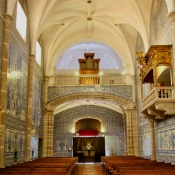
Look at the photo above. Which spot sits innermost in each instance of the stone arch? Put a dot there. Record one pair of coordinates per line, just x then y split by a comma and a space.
113, 126
90, 95
90, 117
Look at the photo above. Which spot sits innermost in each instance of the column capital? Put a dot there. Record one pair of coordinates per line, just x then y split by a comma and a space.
151, 120
171, 16
45, 111
51, 112
8, 18
31, 57
46, 78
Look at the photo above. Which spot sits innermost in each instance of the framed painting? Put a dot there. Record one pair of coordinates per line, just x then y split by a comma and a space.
62, 145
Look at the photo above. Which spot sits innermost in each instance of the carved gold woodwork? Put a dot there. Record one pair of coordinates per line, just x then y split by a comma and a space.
157, 55
160, 101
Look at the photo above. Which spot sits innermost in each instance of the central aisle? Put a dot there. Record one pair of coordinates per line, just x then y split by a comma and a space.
92, 169
89, 170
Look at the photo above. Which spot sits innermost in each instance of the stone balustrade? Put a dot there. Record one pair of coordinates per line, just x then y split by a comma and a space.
164, 94
117, 79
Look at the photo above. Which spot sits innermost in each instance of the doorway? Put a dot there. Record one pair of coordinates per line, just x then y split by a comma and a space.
89, 149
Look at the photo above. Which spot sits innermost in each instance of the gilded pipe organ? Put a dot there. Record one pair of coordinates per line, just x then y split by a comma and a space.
88, 66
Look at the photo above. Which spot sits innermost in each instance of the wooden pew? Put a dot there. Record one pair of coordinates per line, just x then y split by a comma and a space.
148, 172
122, 165
50, 166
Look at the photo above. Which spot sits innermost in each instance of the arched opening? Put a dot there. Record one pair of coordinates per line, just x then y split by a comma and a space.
164, 75
148, 83
89, 143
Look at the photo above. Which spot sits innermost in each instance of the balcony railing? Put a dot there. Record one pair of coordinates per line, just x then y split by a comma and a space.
117, 79
158, 93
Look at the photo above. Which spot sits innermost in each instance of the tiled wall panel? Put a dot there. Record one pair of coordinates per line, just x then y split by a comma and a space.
17, 88
160, 34
64, 124
2, 12
36, 110
121, 91
144, 132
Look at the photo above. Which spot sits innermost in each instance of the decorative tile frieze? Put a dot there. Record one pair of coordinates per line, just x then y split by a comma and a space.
121, 91
160, 34
165, 137
17, 88
14, 144
2, 12
159, 21
167, 39
64, 124
15, 123
145, 141
36, 129
3, 5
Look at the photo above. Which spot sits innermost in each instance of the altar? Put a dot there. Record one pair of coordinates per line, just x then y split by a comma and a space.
88, 152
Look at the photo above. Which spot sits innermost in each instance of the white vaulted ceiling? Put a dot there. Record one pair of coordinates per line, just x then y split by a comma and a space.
108, 58
62, 24
64, 28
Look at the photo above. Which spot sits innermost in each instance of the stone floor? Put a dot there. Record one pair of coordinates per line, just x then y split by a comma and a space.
90, 169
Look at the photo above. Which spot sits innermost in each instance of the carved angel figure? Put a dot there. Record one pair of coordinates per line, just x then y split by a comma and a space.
141, 59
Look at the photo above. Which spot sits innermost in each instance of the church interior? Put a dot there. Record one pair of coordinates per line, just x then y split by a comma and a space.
87, 79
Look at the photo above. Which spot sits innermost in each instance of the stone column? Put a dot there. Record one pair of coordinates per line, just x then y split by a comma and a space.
153, 148
50, 134
3, 90
125, 134
45, 117
45, 133
133, 78
172, 19
2, 134
132, 132
46, 79
29, 116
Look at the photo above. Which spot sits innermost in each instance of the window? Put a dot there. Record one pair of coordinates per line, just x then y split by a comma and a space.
21, 21
38, 53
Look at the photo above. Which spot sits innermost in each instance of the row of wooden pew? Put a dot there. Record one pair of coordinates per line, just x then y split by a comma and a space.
44, 166
132, 165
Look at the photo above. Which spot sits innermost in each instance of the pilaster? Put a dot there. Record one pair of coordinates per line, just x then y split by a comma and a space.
46, 79
45, 133
132, 132
3, 91
48, 133
133, 78
153, 147
30, 95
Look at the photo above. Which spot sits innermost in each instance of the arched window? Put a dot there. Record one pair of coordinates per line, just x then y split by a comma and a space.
21, 21
38, 53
